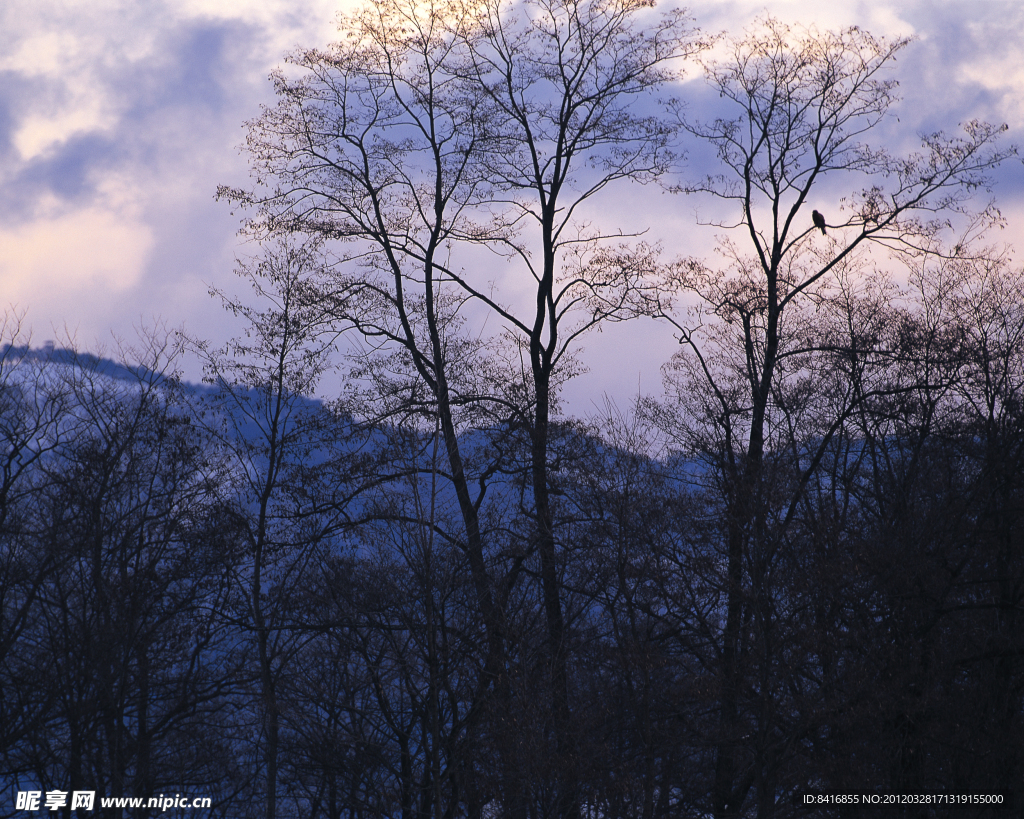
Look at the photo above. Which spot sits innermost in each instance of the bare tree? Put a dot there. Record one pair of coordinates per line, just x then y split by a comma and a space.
453, 125
264, 419
372, 146
945, 510
802, 106
32, 404
124, 622
566, 78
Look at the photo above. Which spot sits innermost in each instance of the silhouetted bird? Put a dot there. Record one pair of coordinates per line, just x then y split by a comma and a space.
819, 221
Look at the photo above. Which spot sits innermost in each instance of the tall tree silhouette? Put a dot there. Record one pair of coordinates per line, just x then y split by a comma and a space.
801, 105
435, 128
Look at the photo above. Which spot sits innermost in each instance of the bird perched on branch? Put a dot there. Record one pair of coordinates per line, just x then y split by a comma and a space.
819, 221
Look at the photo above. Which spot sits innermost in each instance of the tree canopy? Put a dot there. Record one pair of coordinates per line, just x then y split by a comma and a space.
436, 593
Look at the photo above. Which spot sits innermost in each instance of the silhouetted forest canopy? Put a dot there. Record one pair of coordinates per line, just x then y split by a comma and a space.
434, 592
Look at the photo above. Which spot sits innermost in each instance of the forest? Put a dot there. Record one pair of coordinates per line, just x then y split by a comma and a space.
375, 568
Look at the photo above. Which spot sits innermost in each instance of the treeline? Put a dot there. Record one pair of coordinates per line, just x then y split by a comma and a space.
206, 592
437, 594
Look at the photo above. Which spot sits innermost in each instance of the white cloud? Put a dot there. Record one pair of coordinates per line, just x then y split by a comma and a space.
73, 51
71, 258
68, 100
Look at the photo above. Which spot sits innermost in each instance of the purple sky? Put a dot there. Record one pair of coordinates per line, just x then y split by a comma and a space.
119, 119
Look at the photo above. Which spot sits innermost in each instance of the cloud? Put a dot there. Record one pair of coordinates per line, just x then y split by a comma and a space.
95, 250
117, 122
61, 98
734, 15
118, 119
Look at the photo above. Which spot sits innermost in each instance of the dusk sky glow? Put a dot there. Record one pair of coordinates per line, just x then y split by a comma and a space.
118, 119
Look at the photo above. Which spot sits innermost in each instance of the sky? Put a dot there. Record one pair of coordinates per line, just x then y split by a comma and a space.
119, 118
